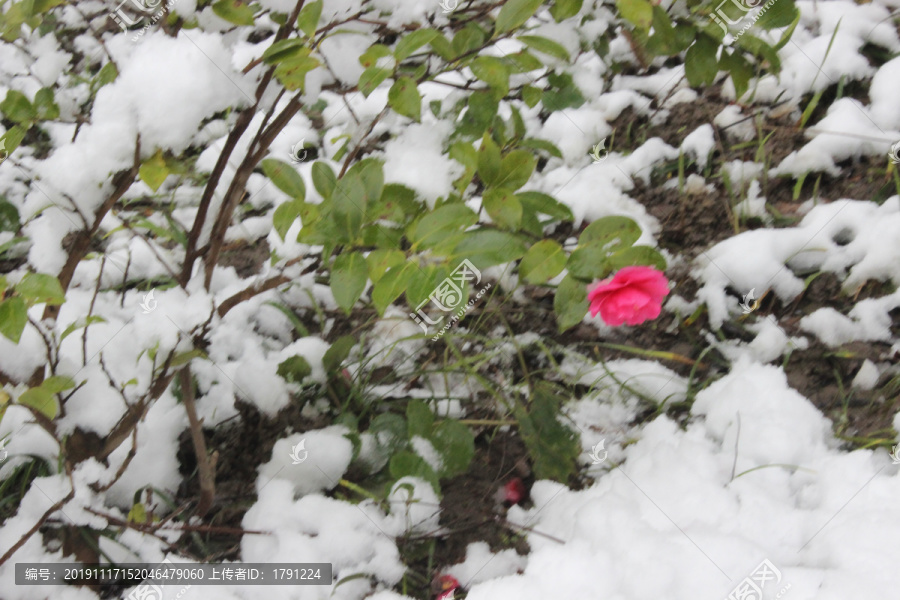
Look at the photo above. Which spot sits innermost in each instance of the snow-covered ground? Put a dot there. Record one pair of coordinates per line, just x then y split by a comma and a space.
683, 513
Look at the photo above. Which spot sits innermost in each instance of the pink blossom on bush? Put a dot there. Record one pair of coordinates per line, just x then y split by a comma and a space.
633, 295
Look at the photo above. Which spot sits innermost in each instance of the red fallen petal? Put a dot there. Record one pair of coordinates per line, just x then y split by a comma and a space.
514, 490
448, 582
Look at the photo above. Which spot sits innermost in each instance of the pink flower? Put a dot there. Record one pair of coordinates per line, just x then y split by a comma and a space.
632, 296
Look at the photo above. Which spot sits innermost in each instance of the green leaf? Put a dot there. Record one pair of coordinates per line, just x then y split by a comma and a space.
285, 215
38, 288
423, 282
503, 207
664, 41
348, 207
371, 78
405, 99
291, 73
523, 62
338, 353
543, 261
285, 178
468, 39
531, 95
516, 169
434, 227
420, 419
638, 12
405, 463
553, 447
370, 57
588, 261
107, 74
391, 285
41, 400
514, 13
324, 179
637, 255
570, 303
487, 247
370, 172
545, 204
294, 369
740, 70
11, 140
58, 383
700, 64
308, 19
782, 13
285, 49
42, 6
391, 424
539, 144
482, 108
563, 93
456, 445
465, 154
611, 232
47, 109
494, 72
379, 261
234, 11
13, 318
411, 42
563, 9
488, 160
184, 358
348, 279
17, 108
154, 171
79, 323
9, 217
545, 45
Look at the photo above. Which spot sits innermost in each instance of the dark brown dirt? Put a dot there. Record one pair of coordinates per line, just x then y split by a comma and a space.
247, 258
690, 224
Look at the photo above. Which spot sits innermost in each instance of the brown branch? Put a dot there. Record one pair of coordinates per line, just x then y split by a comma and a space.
191, 252
36, 526
250, 292
136, 412
236, 189
153, 528
122, 181
205, 462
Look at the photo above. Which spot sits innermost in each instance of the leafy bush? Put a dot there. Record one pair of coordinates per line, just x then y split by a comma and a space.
359, 228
